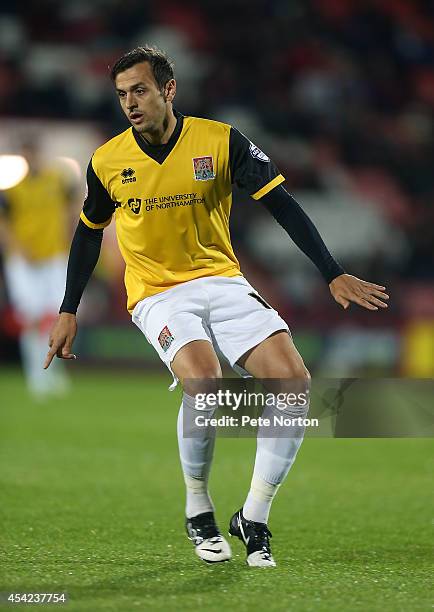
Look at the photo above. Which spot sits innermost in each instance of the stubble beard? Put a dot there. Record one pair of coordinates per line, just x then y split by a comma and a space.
152, 128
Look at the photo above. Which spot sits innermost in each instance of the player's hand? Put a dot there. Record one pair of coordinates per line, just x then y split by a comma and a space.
61, 338
346, 288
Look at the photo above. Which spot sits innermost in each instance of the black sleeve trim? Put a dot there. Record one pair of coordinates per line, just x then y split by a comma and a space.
98, 205
303, 232
250, 168
83, 256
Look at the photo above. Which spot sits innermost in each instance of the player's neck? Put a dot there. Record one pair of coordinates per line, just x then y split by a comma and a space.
162, 135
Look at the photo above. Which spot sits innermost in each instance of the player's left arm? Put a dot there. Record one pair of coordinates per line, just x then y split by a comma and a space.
254, 171
345, 288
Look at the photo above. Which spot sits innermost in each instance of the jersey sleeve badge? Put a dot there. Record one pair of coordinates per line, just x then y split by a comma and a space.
257, 153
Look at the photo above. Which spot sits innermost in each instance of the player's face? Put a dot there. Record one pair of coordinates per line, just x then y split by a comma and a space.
142, 101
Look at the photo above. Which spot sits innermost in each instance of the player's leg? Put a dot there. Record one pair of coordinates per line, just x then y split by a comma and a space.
35, 291
256, 341
196, 361
175, 324
52, 284
197, 367
25, 294
275, 358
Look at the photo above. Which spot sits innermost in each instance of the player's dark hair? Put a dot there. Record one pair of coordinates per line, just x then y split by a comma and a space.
161, 65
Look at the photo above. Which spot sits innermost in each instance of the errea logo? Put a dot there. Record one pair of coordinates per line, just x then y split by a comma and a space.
127, 176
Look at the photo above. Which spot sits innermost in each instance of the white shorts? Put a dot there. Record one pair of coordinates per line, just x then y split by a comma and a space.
227, 312
35, 289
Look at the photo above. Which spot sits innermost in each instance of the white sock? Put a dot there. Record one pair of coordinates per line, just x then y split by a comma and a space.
274, 458
259, 499
196, 455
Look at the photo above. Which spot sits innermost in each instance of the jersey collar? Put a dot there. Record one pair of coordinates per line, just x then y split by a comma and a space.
159, 152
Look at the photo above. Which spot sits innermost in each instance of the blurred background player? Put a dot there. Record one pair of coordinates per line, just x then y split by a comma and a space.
33, 233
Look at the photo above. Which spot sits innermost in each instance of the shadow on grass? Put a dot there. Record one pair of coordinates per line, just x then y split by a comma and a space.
165, 579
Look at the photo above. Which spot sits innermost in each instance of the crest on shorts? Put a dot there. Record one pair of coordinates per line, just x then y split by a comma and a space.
165, 338
203, 168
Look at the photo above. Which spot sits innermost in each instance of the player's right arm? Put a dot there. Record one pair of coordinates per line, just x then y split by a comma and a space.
83, 257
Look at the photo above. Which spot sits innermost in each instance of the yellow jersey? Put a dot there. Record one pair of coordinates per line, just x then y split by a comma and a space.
172, 202
36, 209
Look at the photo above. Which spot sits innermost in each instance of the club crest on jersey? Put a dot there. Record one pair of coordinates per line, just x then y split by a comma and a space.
165, 338
257, 153
127, 176
203, 168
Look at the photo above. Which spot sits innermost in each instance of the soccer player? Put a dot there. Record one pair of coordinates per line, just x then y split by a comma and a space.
34, 235
168, 180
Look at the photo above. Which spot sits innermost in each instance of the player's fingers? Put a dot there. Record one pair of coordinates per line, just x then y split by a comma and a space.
370, 296
342, 301
373, 286
68, 356
379, 294
66, 351
377, 302
49, 358
364, 303
62, 354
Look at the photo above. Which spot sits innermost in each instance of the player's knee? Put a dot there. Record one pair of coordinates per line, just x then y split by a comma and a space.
289, 370
202, 377
289, 378
298, 371
298, 379
205, 371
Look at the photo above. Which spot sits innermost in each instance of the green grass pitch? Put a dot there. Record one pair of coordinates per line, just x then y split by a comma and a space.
92, 503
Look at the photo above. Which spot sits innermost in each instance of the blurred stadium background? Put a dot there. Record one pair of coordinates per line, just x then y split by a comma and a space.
339, 93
